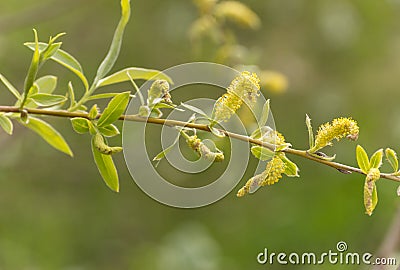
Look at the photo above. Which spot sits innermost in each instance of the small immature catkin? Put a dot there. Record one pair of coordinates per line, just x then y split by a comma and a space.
158, 91
273, 172
340, 127
199, 147
102, 147
244, 87
369, 186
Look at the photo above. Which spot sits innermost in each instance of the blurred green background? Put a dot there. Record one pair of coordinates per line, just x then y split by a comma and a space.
341, 58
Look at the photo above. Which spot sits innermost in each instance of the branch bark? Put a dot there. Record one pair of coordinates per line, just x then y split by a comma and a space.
173, 123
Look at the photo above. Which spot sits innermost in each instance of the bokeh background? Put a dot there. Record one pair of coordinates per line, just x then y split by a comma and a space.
341, 58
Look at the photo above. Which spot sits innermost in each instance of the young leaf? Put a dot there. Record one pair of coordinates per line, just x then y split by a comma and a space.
310, 132
376, 159
71, 93
291, 168
196, 110
391, 157
135, 74
80, 125
10, 87
109, 130
102, 96
47, 100
49, 134
46, 84
265, 114
114, 109
6, 124
262, 153
217, 132
163, 153
32, 72
94, 111
65, 59
362, 159
115, 47
106, 167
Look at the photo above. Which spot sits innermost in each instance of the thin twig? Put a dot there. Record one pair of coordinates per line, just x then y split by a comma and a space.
173, 123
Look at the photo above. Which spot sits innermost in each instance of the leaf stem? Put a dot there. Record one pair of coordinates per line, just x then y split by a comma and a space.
203, 127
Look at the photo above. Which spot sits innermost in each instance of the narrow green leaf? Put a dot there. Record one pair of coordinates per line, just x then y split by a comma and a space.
163, 153
362, 159
46, 84
136, 74
80, 125
291, 168
114, 109
71, 93
32, 72
10, 87
47, 100
50, 50
262, 153
106, 167
102, 96
391, 157
376, 159
196, 110
6, 124
65, 59
162, 105
49, 134
217, 132
94, 111
115, 47
310, 132
109, 130
265, 114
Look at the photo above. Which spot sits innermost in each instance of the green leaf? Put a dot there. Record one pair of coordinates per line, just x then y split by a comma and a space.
94, 111
291, 168
65, 59
163, 105
265, 114
6, 124
106, 167
49, 134
80, 125
109, 130
362, 159
10, 87
391, 157
310, 132
262, 153
136, 74
115, 47
114, 110
102, 96
163, 153
33, 70
47, 100
376, 159
46, 84
71, 93
196, 110
217, 132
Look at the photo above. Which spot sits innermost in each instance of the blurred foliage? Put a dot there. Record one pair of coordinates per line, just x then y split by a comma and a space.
340, 57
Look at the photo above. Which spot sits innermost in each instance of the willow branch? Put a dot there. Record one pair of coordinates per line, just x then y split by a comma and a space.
203, 127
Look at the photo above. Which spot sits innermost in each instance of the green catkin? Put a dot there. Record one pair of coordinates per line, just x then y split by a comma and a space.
369, 186
103, 148
159, 92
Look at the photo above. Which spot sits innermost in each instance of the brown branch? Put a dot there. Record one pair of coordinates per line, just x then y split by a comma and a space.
176, 123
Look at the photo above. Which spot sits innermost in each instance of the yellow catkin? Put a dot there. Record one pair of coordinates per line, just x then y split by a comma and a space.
340, 128
273, 172
200, 148
369, 186
237, 12
273, 81
244, 87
